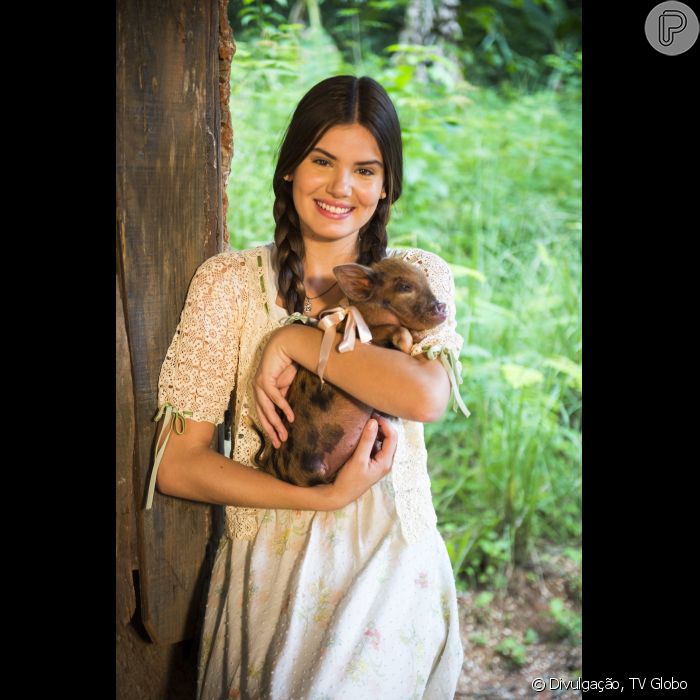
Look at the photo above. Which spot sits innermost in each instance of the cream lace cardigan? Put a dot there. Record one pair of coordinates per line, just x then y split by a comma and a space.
229, 313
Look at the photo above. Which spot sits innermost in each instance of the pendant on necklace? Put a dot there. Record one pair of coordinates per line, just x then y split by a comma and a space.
307, 305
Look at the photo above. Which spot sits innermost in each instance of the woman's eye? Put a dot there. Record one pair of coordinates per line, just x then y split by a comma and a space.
364, 171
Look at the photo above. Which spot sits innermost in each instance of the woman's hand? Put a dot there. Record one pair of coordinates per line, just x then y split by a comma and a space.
270, 386
363, 470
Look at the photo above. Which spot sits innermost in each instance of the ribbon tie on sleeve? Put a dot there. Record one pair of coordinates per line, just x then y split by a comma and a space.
328, 320
296, 316
450, 361
170, 413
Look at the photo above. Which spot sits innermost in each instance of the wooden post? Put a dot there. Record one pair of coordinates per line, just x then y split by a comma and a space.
169, 219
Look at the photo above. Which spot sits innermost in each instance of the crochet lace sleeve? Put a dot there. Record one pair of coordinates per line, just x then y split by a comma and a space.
199, 370
443, 341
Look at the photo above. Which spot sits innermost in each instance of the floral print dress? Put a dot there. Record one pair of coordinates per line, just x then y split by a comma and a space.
342, 605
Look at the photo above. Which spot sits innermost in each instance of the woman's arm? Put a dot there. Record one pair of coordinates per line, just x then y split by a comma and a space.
414, 388
411, 387
190, 469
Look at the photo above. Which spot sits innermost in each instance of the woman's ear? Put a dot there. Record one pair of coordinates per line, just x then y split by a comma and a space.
356, 281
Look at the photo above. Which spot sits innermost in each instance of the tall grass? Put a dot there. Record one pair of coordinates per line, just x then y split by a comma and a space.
492, 183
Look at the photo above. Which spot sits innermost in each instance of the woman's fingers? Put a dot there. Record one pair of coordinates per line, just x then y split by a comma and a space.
272, 423
267, 427
364, 446
285, 379
276, 397
385, 456
386, 427
269, 430
279, 400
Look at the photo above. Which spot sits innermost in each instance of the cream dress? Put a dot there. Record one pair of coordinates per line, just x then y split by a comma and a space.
351, 604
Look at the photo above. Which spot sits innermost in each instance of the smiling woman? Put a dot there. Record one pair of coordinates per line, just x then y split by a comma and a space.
305, 602
338, 187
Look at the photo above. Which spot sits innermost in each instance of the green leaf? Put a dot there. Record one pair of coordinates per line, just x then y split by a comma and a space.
463, 271
518, 376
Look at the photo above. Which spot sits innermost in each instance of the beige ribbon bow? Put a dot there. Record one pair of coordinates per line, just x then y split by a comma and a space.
174, 419
327, 322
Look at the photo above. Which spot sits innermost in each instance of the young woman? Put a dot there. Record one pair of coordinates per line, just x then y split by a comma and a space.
335, 591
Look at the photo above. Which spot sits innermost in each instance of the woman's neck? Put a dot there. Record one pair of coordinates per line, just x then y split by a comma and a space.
320, 257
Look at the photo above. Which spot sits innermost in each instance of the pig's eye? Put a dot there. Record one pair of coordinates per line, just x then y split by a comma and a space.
402, 286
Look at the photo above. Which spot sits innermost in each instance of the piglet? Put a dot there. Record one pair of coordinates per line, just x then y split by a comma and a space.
397, 303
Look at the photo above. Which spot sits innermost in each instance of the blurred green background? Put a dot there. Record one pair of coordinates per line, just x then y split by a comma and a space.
489, 99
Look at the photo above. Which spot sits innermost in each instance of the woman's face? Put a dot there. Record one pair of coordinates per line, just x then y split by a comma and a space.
345, 171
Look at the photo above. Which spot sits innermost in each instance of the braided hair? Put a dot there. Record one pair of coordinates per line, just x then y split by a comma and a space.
340, 100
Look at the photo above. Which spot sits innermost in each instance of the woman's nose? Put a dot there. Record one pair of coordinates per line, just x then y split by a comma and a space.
340, 185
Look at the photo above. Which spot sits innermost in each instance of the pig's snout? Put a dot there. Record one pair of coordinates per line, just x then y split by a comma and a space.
440, 311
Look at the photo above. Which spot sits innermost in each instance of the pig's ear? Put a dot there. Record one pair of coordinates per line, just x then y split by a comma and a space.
356, 281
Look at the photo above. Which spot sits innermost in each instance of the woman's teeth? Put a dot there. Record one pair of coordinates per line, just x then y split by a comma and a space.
334, 210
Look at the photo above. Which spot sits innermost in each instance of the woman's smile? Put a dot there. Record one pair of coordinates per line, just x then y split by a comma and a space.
333, 210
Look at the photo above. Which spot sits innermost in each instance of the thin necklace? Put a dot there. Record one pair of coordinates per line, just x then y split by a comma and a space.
308, 300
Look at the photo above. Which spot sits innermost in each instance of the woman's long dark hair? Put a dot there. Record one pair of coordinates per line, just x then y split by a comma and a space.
340, 100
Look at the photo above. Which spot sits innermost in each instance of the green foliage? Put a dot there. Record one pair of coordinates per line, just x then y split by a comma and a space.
492, 183
514, 44
531, 636
512, 651
483, 599
568, 621
511, 42
478, 638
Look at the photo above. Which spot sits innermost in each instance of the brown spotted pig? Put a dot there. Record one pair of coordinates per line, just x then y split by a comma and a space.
396, 302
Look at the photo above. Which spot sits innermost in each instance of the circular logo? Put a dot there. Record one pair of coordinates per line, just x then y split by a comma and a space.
671, 28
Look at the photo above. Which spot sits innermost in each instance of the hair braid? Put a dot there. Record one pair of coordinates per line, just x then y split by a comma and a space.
290, 255
373, 239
